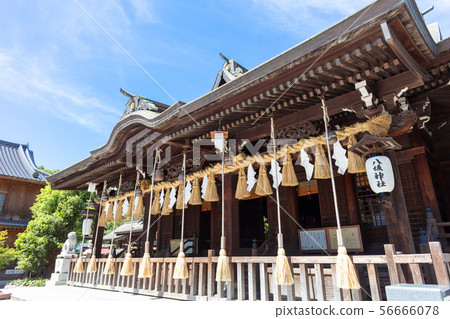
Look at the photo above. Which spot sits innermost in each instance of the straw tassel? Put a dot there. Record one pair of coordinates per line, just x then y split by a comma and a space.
79, 267
321, 165
289, 178
156, 210
180, 198
109, 214
139, 208
166, 210
283, 274
130, 207
92, 266
110, 269
145, 268
196, 196
102, 219
223, 264
180, 271
263, 187
345, 271
356, 163
119, 216
241, 188
127, 268
211, 190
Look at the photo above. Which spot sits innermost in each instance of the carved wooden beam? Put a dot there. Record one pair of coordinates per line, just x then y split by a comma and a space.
402, 53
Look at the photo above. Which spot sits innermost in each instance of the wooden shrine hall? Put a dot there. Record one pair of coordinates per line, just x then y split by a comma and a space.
384, 78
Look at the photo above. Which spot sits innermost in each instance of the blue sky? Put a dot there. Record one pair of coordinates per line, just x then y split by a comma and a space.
60, 74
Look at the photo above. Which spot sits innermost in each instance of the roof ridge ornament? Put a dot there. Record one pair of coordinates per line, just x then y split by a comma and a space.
137, 103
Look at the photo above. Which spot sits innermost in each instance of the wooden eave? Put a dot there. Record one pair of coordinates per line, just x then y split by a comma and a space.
286, 86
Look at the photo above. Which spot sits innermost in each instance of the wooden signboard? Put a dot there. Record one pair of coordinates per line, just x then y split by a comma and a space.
351, 236
313, 239
319, 239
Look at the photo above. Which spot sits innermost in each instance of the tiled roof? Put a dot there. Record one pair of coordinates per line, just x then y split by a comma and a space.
16, 160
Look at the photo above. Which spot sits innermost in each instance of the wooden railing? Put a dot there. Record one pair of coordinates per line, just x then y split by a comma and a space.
252, 279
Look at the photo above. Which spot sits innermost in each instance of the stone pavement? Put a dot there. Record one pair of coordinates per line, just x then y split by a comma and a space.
70, 294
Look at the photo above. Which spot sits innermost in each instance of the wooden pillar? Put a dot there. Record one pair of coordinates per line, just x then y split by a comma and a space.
159, 243
147, 206
214, 213
352, 203
397, 219
426, 185
231, 216
98, 246
290, 220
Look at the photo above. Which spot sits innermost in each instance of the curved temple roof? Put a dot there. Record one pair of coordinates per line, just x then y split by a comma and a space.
361, 49
17, 161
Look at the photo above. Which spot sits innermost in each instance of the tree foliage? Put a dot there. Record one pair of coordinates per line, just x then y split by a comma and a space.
6, 254
55, 214
50, 171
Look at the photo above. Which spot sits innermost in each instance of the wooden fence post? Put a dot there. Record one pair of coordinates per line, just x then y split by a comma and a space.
209, 278
439, 264
392, 267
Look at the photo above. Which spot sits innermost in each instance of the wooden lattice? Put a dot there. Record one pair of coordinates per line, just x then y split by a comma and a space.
327, 204
413, 198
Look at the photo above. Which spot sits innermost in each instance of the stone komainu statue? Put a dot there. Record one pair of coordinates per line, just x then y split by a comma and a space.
70, 244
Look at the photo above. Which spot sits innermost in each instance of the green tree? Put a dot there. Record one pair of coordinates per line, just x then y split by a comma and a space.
50, 171
6, 254
55, 214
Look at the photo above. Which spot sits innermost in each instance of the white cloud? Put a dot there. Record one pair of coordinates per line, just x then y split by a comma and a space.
302, 17
143, 10
36, 82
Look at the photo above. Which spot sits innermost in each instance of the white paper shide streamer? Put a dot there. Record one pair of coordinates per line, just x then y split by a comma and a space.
304, 161
251, 180
173, 198
204, 185
161, 198
107, 206
115, 209
125, 207
187, 192
341, 160
275, 169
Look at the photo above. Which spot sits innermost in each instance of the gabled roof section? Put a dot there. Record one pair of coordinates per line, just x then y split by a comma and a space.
230, 70
17, 161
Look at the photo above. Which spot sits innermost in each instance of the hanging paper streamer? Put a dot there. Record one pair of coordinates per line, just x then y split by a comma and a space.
125, 207
136, 200
204, 185
304, 159
161, 198
275, 169
91, 188
187, 192
172, 197
251, 180
106, 210
114, 209
341, 160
